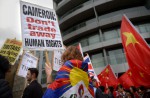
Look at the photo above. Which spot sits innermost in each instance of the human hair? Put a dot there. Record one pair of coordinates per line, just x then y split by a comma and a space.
93, 80
4, 66
34, 70
72, 52
120, 86
142, 88
111, 88
133, 88
129, 94
102, 88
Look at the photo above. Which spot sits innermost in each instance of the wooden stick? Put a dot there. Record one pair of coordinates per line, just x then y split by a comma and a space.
47, 58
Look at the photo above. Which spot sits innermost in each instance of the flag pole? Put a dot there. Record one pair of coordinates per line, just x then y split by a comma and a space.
113, 71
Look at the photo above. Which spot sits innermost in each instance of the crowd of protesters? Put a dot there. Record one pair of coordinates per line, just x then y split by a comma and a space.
34, 89
120, 92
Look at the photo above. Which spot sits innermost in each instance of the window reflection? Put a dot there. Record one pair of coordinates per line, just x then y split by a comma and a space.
97, 60
116, 56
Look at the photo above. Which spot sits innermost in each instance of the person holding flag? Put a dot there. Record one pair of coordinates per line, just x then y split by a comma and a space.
72, 79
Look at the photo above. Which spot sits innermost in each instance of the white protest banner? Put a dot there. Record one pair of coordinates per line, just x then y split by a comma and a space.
77, 91
40, 29
28, 61
57, 59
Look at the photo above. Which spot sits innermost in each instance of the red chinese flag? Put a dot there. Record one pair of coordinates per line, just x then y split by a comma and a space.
107, 77
139, 77
137, 52
126, 80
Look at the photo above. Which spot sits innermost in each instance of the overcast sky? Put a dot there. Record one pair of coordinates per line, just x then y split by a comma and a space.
10, 23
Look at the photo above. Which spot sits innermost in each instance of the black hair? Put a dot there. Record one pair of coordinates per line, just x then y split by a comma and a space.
34, 70
4, 66
111, 88
102, 88
142, 88
131, 94
133, 88
119, 86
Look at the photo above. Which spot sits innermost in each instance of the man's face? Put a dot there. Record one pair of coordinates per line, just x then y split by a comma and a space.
29, 76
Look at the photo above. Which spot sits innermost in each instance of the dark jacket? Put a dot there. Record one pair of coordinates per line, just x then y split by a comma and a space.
5, 90
34, 90
110, 95
98, 93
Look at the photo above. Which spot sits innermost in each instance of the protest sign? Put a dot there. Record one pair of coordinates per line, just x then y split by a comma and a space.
40, 29
77, 91
57, 59
28, 61
11, 50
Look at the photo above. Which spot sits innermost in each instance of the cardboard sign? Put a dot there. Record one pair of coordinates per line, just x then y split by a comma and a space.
11, 50
28, 61
40, 29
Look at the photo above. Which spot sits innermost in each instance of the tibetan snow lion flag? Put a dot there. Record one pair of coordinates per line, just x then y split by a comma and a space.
72, 81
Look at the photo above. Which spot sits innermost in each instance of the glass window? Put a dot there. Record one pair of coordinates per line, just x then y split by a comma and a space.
43, 62
84, 42
97, 60
43, 79
94, 39
110, 34
116, 56
38, 54
137, 28
148, 27
119, 32
142, 28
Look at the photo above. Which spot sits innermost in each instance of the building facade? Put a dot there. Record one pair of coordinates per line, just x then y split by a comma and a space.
96, 25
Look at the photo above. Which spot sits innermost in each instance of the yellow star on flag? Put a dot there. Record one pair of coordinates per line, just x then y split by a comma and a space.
106, 70
130, 38
130, 73
141, 74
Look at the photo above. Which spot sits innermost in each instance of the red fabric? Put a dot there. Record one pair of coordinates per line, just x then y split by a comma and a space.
126, 80
139, 77
108, 78
137, 53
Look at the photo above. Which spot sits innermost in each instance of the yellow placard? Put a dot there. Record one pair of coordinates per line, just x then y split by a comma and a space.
11, 49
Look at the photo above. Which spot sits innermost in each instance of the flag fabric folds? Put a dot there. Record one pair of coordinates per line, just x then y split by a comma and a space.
108, 78
126, 79
137, 53
69, 75
91, 71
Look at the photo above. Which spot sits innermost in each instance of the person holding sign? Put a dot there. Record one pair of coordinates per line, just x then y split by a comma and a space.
72, 78
34, 89
5, 90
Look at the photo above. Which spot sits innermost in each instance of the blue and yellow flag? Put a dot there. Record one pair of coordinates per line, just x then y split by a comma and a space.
72, 80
